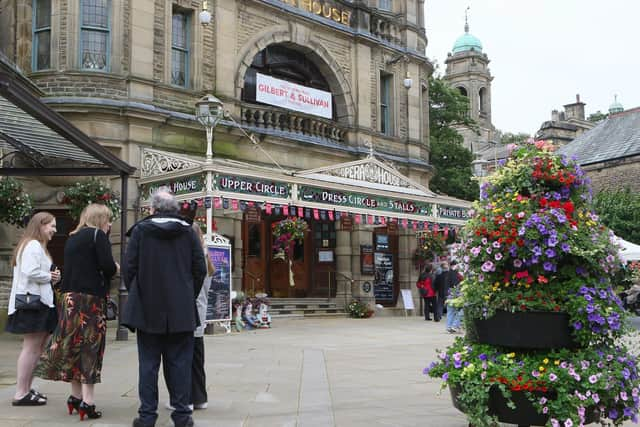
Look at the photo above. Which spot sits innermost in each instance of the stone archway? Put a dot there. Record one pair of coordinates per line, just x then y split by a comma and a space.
318, 54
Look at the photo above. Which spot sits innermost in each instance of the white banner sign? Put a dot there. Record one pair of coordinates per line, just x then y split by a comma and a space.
295, 97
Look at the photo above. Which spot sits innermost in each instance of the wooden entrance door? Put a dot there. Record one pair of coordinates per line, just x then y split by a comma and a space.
255, 250
279, 280
64, 225
323, 271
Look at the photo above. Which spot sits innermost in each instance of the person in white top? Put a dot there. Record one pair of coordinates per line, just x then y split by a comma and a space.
32, 274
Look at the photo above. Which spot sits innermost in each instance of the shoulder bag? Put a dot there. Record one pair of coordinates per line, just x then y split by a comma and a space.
28, 302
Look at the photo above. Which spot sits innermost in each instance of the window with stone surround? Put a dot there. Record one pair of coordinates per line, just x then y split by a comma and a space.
180, 47
41, 48
385, 5
386, 108
95, 34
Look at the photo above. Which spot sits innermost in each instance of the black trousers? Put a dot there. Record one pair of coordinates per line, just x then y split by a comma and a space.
198, 376
429, 307
176, 353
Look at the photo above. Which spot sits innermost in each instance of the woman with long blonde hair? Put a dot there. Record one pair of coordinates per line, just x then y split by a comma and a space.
77, 347
33, 276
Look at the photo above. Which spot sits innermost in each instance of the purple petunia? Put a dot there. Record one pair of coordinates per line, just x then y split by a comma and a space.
488, 266
613, 414
565, 247
550, 253
548, 266
577, 326
553, 377
445, 376
593, 379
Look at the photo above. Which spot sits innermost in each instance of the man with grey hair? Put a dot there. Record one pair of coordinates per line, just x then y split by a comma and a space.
164, 270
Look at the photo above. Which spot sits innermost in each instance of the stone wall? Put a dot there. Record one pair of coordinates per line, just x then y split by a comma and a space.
81, 84
613, 175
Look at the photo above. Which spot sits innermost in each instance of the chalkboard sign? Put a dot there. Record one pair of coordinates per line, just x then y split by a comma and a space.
383, 276
219, 297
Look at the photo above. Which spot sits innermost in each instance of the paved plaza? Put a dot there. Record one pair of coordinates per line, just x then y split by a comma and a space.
308, 373
320, 372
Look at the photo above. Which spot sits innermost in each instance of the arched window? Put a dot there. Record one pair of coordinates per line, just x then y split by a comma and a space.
462, 91
483, 100
284, 63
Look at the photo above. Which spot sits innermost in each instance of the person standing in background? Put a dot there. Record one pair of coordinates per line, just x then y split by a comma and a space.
441, 286
32, 276
454, 314
427, 291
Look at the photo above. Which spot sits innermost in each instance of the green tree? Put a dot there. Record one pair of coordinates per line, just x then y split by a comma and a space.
620, 211
514, 138
597, 116
448, 110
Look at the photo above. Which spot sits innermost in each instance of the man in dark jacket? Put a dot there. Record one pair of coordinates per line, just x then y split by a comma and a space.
441, 286
164, 269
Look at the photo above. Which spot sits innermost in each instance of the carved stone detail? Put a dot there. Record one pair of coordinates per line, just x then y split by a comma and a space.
155, 163
370, 172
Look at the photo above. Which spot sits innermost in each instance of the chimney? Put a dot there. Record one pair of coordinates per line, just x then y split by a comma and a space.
576, 110
554, 116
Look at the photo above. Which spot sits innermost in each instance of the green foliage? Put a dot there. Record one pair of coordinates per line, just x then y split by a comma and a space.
430, 245
454, 175
359, 310
15, 204
514, 138
81, 194
597, 116
620, 211
449, 109
286, 233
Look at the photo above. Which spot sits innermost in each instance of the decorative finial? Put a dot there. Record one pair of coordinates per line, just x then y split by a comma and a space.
615, 97
466, 19
369, 145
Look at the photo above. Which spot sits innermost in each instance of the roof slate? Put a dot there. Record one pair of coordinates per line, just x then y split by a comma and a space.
616, 137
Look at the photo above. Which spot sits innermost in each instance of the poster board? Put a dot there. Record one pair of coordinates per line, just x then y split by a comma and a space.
219, 296
407, 299
383, 276
366, 259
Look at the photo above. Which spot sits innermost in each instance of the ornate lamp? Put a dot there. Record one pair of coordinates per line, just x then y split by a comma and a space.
209, 111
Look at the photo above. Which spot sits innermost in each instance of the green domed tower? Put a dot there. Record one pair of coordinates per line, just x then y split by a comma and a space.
467, 70
616, 107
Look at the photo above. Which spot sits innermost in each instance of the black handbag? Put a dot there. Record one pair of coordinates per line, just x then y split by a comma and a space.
112, 309
28, 302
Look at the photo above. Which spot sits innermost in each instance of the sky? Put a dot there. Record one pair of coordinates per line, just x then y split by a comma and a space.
544, 52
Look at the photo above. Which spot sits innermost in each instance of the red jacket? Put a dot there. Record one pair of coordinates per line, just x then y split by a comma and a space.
427, 286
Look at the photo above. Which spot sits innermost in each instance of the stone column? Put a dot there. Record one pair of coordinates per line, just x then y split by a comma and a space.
343, 266
361, 236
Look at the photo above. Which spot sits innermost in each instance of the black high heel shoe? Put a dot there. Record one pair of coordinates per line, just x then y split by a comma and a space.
73, 403
89, 411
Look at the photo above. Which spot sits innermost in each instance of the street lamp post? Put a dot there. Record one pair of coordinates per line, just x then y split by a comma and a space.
209, 111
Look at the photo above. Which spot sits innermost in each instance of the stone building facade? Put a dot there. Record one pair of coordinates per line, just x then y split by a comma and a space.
566, 125
128, 74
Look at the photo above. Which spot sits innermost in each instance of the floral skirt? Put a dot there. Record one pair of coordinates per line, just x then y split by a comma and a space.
76, 348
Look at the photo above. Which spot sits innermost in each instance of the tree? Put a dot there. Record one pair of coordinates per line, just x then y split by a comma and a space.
449, 109
597, 116
620, 211
514, 138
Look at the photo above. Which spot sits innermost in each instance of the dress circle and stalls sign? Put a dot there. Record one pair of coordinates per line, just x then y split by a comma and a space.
282, 93
219, 296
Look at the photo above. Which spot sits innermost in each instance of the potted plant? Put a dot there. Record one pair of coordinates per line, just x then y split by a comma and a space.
359, 310
16, 204
285, 235
537, 260
81, 194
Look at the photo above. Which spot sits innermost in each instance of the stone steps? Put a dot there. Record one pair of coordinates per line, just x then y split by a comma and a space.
305, 307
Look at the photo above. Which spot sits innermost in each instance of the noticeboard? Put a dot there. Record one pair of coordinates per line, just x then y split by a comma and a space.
383, 276
219, 297
366, 259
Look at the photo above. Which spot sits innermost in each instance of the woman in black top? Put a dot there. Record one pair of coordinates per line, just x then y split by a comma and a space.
77, 346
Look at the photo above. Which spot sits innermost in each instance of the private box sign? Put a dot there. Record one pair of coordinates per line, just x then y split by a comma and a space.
246, 185
453, 212
323, 8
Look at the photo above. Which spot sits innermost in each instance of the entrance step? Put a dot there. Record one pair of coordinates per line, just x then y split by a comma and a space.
305, 307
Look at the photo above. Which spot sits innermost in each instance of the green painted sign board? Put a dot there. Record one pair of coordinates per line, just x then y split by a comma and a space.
256, 186
453, 212
338, 198
178, 186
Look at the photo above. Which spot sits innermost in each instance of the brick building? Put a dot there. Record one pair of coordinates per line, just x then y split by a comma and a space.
128, 74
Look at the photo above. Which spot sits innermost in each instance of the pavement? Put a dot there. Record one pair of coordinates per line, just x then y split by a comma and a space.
300, 373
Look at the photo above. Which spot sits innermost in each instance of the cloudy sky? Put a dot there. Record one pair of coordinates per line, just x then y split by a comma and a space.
544, 52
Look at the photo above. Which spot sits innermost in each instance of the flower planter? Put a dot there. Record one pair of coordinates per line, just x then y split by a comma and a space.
524, 414
525, 330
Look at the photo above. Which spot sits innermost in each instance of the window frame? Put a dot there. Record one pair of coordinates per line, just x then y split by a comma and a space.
386, 5
107, 30
387, 125
35, 31
187, 14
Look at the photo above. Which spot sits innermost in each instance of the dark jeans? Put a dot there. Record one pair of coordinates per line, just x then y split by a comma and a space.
439, 308
176, 353
429, 307
198, 376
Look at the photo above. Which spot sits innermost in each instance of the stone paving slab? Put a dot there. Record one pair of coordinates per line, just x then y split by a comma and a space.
301, 373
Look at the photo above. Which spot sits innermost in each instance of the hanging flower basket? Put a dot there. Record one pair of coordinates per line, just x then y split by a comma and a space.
16, 205
81, 194
285, 235
430, 245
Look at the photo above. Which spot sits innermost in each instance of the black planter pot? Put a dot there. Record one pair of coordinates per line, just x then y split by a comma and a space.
524, 330
524, 414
